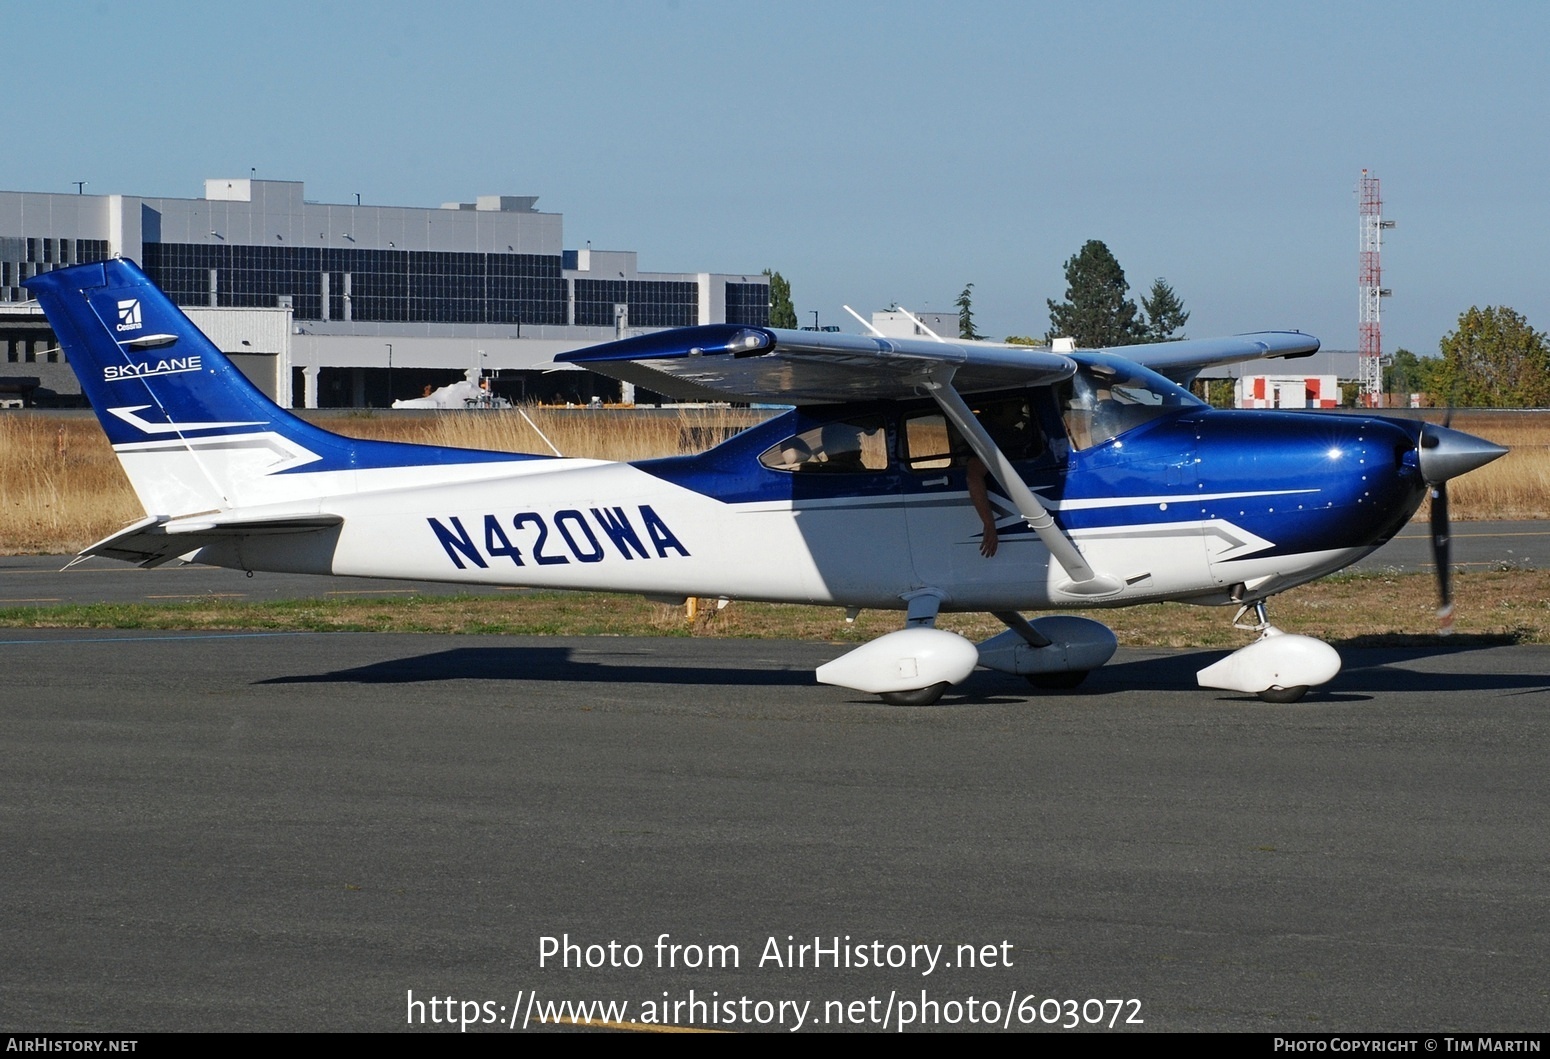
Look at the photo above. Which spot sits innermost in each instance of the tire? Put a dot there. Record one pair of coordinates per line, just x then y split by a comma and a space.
918, 697
1063, 681
1291, 694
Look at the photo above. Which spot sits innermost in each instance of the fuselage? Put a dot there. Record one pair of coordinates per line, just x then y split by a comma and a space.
1191, 504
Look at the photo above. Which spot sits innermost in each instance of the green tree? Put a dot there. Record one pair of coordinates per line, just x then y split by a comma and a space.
782, 312
1164, 312
1494, 359
966, 316
1218, 393
1408, 373
1022, 340
1096, 312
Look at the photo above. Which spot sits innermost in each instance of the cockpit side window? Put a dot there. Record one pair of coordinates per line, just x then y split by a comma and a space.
930, 443
1011, 425
842, 447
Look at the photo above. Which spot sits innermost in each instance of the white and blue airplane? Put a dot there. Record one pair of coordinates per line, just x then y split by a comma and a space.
910, 475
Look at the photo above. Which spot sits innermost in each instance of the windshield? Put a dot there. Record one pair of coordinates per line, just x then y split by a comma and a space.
1109, 396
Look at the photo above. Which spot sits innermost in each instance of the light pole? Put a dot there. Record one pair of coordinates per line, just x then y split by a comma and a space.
390, 373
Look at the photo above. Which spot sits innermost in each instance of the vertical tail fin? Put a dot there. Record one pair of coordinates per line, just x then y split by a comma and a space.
192, 433
147, 370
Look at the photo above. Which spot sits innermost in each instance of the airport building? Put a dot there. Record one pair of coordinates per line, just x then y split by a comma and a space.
340, 305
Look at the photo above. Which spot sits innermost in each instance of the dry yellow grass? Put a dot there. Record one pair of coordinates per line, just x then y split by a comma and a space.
1517, 485
61, 487
602, 435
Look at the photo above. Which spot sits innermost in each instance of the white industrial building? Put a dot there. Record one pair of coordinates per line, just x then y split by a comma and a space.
340, 305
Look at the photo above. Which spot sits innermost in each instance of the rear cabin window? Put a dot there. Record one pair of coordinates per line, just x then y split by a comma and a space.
851, 446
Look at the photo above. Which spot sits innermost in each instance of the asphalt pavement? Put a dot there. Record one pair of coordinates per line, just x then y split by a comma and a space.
323, 831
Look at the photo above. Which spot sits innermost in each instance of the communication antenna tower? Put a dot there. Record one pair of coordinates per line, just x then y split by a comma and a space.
1372, 291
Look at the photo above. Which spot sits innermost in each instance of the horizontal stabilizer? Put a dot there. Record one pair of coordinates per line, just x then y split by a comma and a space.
157, 541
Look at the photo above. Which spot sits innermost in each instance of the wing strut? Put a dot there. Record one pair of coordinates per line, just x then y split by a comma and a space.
1085, 581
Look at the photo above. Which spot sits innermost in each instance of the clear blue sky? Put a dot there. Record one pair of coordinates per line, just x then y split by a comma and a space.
871, 152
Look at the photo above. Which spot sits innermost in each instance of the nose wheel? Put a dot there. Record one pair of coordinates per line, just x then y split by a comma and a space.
917, 697
1262, 625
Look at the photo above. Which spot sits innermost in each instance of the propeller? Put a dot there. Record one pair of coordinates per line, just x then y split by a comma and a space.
1447, 453
1442, 547
1442, 558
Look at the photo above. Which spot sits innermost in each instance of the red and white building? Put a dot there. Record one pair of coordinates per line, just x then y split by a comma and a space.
1288, 391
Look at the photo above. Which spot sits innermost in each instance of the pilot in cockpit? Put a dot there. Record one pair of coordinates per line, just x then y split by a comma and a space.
1010, 425
842, 447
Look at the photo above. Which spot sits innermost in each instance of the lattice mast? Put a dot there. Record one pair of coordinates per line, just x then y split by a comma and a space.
1371, 292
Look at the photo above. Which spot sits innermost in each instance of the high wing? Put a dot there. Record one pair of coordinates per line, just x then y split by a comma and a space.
721, 362
1182, 361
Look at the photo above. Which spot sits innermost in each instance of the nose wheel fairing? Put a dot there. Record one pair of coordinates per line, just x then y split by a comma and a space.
1278, 667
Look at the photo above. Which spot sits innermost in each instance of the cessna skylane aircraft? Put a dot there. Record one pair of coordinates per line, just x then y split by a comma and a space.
915, 475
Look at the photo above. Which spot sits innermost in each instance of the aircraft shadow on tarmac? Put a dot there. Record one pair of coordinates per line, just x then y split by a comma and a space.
548, 664
634, 667
1367, 670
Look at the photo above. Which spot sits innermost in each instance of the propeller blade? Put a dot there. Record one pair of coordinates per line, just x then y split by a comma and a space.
1442, 557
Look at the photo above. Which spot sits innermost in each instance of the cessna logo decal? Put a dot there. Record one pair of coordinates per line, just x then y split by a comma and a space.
170, 366
582, 542
129, 315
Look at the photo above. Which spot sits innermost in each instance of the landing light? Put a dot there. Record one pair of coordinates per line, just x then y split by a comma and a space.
1334, 454
746, 340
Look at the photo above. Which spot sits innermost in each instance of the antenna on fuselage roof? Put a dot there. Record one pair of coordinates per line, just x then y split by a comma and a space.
863, 322
916, 321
